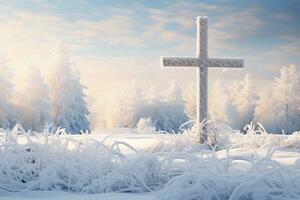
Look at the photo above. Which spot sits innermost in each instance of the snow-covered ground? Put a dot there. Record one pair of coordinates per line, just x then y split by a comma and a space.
60, 195
233, 166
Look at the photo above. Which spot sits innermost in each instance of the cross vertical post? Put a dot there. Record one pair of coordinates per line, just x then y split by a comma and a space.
202, 77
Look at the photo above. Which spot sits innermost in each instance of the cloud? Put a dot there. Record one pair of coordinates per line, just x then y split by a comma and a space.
116, 30
148, 32
244, 22
21, 27
283, 16
127, 29
226, 28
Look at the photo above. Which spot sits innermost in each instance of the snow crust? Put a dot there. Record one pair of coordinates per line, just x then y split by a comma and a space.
171, 166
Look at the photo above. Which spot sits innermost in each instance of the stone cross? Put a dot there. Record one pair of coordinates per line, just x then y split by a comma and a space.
202, 62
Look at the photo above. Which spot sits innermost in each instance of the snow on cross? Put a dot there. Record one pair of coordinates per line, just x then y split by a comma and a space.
202, 62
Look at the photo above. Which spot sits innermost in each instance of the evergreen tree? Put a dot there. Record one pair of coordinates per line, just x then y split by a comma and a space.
174, 94
233, 104
278, 109
131, 102
35, 103
243, 98
218, 102
171, 112
67, 95
190, 99
7, 118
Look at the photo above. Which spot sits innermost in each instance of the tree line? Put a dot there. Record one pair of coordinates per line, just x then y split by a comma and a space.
60, 101
277, 106
57, 102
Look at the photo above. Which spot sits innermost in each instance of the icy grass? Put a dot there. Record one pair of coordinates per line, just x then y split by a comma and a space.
177, 167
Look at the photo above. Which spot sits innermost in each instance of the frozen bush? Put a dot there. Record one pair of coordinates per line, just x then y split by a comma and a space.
145, 126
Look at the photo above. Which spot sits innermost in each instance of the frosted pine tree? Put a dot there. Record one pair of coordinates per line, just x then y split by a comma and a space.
131, 104
67, 95
287, 93
218, 102
171, 114
243, 100
6, 88
151, 110
153, 95
174, 93
233, 103
35, 103
190, 102
278, 108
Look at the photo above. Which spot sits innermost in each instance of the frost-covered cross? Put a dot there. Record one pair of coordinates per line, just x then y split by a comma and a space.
202, 62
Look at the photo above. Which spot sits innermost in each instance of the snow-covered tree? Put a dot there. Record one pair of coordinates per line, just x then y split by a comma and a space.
67, 95
190, 99
233, 103
243, 98
153, 95
7, 117
122, 108
279, 107
169, 113
34, 101
131, 105
218, 102
174, 93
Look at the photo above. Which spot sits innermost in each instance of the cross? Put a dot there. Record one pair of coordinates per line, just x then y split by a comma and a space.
202, 62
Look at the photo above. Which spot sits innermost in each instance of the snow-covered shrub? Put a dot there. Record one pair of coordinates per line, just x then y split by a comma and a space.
257, 137
278, 183
213, 178
185, 141
238, 177
218, 134
145, 126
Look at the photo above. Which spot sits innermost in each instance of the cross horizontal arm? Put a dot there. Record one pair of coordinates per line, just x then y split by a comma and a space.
225, 62
179, 61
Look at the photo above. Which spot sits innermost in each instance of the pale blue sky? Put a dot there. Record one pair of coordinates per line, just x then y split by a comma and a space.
116, 41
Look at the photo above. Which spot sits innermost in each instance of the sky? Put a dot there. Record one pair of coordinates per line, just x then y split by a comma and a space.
113, 42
